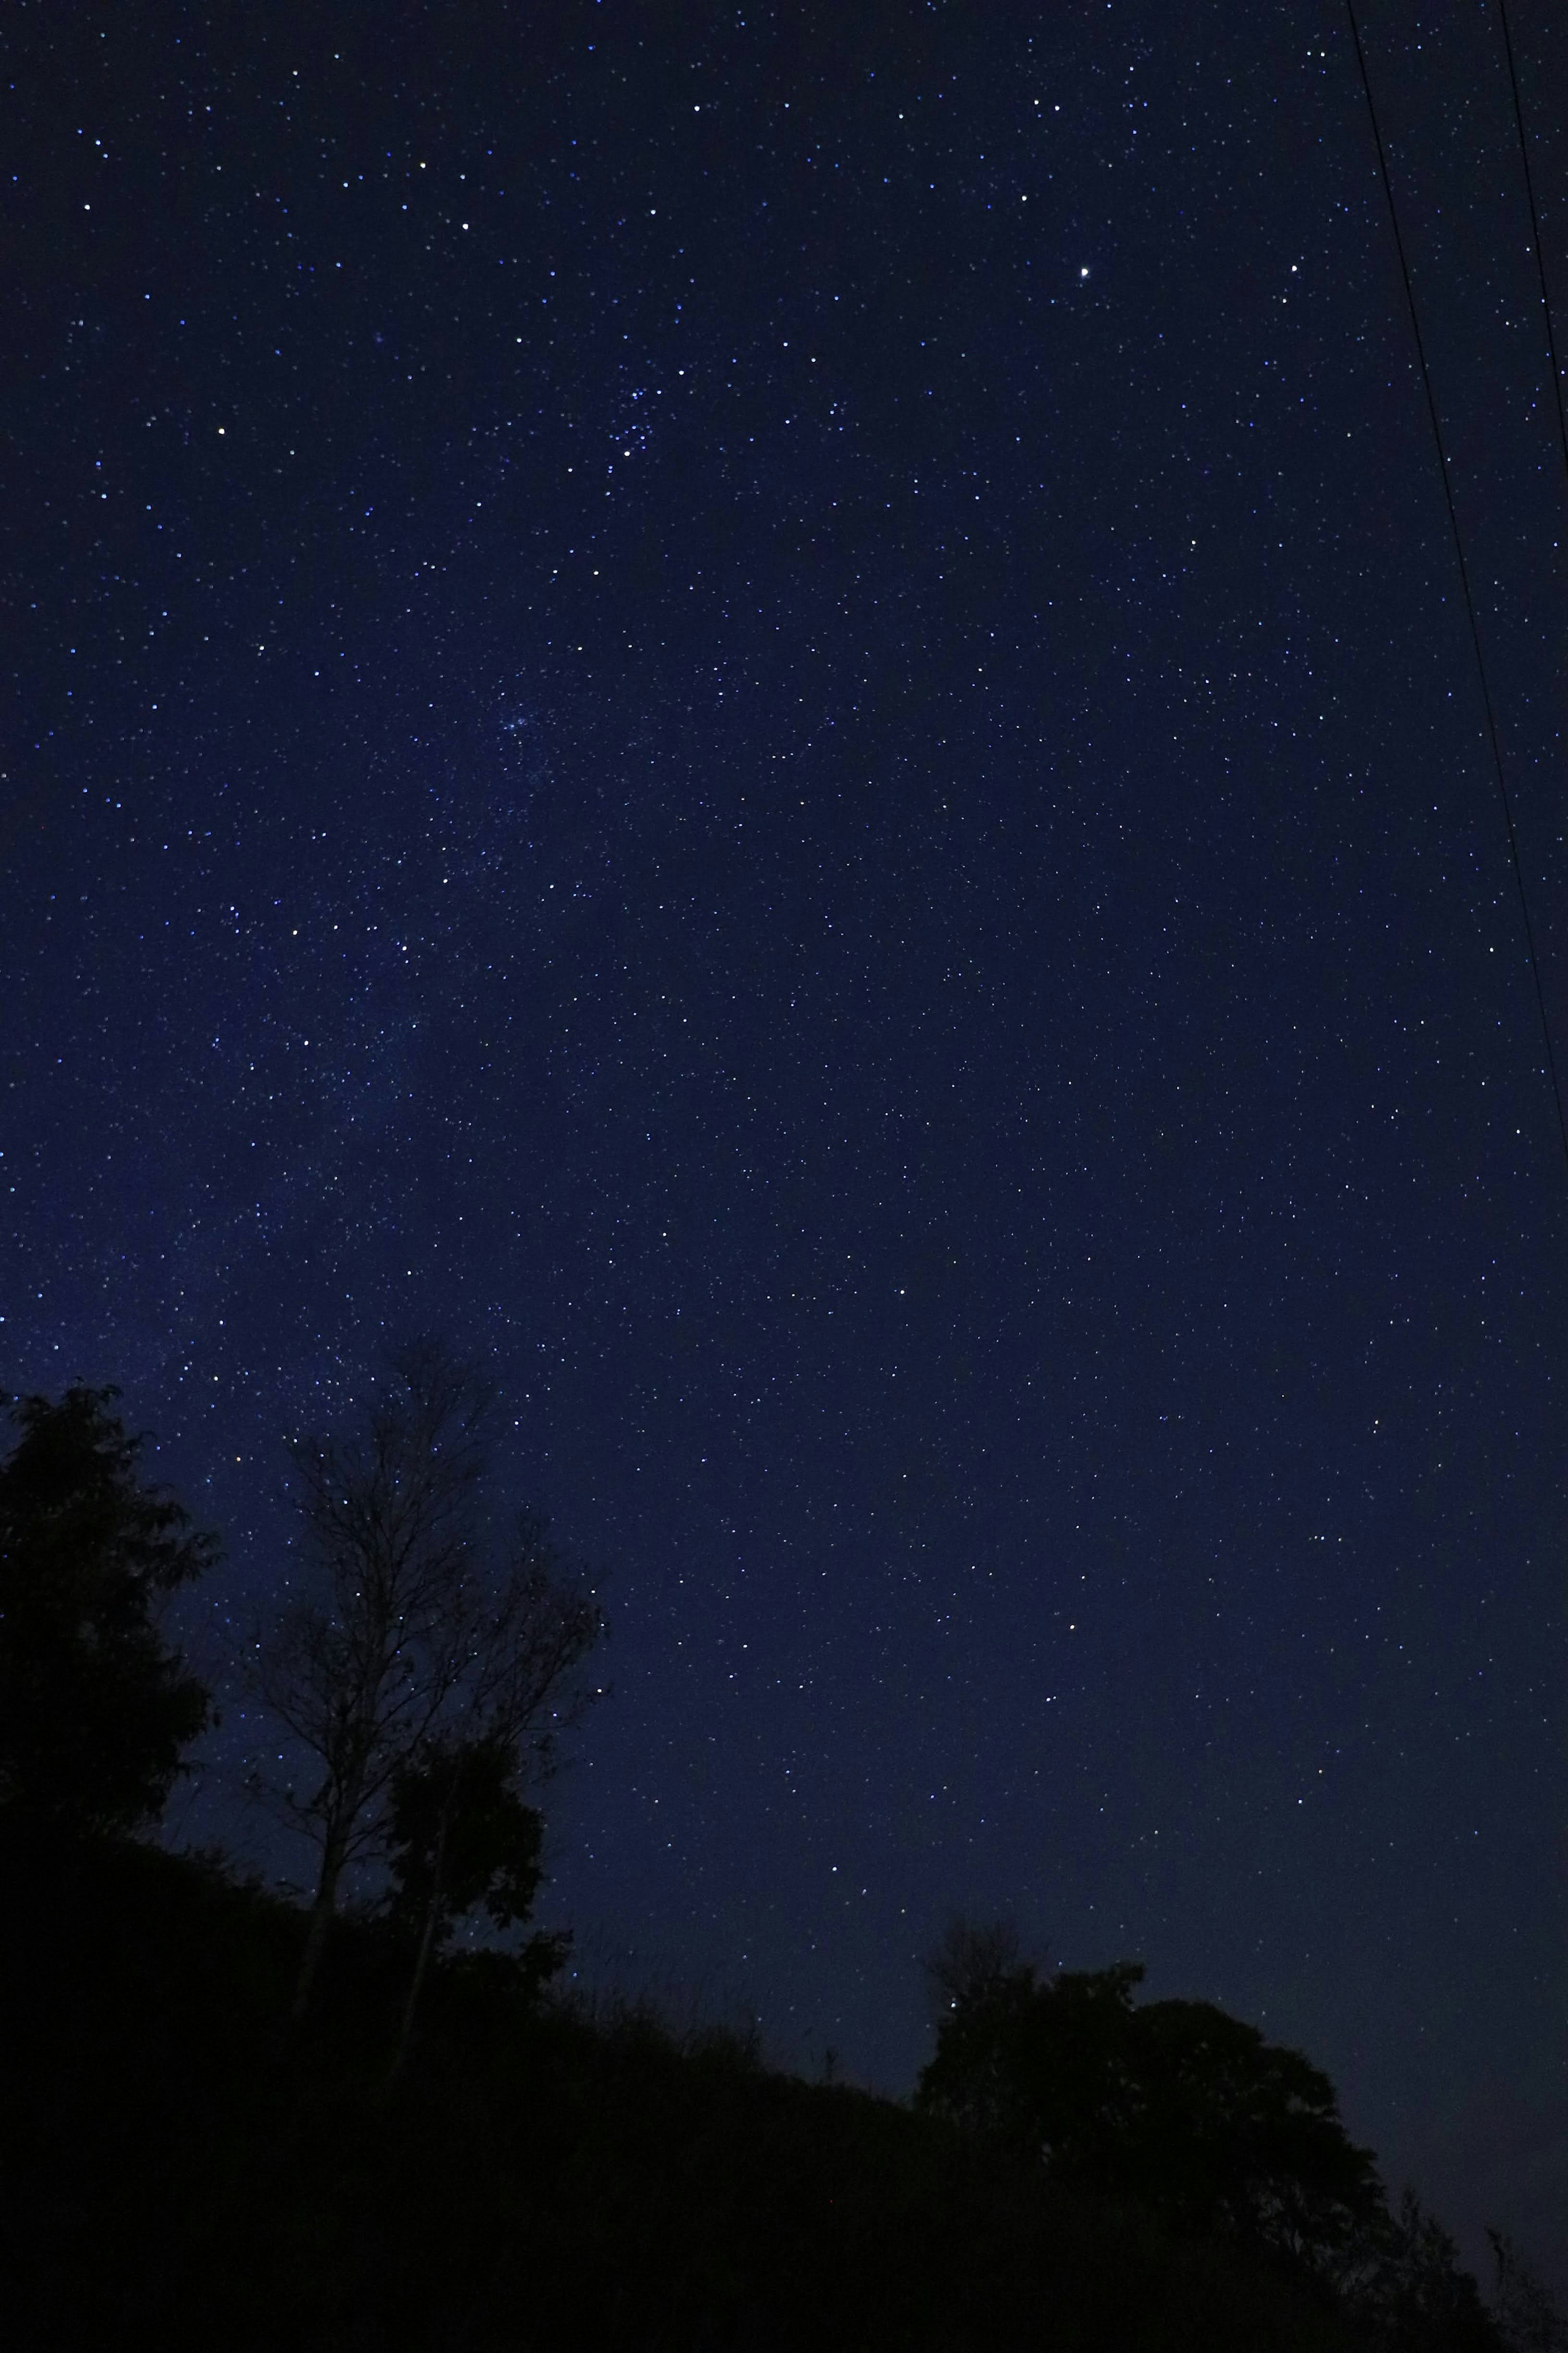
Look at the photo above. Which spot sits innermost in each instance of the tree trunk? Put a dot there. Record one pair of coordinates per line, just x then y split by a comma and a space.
322, 1911
433, 1911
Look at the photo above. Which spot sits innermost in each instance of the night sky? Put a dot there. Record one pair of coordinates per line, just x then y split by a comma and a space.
767, 711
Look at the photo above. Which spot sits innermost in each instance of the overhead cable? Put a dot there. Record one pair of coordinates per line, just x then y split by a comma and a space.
1470, 601
1535, 237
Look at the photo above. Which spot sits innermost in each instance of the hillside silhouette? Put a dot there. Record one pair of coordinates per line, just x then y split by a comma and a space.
193, 2155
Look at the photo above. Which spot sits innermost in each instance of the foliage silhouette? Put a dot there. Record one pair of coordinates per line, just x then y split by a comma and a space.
542, 2179
95, 1707
1175, 2104
1527, 2315
458, 1837
546, 2177
1078, 2172
1412, 2296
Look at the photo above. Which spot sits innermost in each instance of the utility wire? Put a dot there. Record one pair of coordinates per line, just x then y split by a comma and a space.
1465, 584
1535, 234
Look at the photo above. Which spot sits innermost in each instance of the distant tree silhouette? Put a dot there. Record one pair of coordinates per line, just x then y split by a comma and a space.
1406, 2285
968, 1960
415, 1642
1525, 2314
95, 1707
1175, 2104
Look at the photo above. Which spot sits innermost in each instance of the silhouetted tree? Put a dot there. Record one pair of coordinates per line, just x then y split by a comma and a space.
1041, 2069
459, 1836
1240, 2136
1409, 2292
95, 1707
1525, 2314
1175, 2103
968, 1960
414, 1641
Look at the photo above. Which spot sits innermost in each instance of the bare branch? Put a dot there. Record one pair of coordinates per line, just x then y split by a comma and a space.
409, 1638
969, 1959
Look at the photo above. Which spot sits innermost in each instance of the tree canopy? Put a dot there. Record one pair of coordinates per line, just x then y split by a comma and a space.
95, 1705
1174, 2102
459, 1836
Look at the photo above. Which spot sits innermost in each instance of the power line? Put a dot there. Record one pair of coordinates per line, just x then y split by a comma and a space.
1465, 584
1535, 234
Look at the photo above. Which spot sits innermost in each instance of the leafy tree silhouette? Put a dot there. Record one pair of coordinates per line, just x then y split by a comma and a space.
459, 1836
1241, 2136
1175, 2103
95, 1707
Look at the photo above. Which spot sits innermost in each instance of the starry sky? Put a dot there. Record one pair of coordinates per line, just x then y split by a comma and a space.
767, 710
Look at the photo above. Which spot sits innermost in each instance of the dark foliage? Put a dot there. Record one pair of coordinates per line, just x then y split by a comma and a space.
1175, 2104
1189, 2115
176, 2174
459, 1837
180, 2169
179, 2172
1528, 2317
95, 1707
1412, 2296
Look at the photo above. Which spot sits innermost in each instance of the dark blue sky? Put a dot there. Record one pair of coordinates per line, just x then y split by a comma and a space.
768, 710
